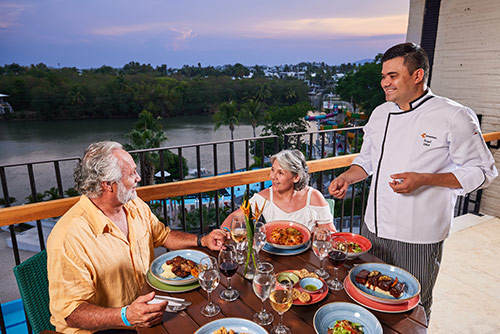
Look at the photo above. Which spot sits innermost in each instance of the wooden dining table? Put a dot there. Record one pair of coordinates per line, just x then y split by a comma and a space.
298, 318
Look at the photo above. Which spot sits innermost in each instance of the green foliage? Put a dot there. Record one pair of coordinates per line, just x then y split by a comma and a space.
11, 200
227, 114
363, 86
51, 194
193, 217
71, 192
39, 196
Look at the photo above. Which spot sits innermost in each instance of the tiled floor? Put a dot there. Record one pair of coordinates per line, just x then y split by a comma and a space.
467, 291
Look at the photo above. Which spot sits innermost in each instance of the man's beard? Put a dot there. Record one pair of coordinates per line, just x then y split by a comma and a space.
125, 195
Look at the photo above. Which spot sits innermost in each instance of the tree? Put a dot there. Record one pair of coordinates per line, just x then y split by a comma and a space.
253, 111
147, 133
363, 87
227, 114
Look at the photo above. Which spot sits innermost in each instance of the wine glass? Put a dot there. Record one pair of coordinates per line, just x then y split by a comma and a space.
239, 235
208, 276
337, 256
228, 266
263, 281
281, 300
259, 237
321, 246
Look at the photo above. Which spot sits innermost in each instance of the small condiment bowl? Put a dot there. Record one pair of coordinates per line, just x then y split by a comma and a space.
311, 284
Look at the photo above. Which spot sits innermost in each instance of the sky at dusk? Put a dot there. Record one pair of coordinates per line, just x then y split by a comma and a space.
92, 33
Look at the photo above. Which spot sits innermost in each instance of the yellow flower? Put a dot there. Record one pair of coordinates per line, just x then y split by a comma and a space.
245, 207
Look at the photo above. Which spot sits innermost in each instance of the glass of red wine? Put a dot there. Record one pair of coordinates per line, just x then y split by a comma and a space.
337, 256
228, 266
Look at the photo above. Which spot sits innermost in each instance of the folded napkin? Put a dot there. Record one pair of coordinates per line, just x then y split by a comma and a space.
174, 304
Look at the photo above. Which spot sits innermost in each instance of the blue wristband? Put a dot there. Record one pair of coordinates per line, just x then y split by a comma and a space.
124, 316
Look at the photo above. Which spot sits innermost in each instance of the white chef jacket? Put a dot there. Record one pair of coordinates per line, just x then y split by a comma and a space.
437, 135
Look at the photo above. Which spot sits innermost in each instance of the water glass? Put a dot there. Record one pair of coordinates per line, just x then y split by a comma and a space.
321, 246
259, 237
263, 281
239, 235
281, 300
208, 276
337, 256
228, 266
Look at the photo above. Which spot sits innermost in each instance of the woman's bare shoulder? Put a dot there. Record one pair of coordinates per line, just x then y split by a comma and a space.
317, 198
265, 193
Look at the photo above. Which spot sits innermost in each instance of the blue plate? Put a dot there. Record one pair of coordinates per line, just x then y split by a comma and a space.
286, 252
412, 286
327, 315
239, 325
189, 254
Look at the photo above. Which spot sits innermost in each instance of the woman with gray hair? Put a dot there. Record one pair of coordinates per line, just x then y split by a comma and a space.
289, 197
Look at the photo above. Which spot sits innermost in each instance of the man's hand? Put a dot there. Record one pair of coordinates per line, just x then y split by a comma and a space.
215, 239
405, 183
141, 314
338, 187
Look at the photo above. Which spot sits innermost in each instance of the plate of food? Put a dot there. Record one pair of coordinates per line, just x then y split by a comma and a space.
340, 317
301, 295
357, 244
384, 283
286, 252
287, 234
231, 325
177, 267
164, 287
377, 306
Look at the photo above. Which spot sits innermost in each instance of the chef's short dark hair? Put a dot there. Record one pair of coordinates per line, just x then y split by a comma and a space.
414, 56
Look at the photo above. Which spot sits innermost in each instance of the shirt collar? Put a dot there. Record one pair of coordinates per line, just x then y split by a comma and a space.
99, 223
421, 99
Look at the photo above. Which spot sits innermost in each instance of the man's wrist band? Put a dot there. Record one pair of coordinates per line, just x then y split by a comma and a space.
198, 240
124, 316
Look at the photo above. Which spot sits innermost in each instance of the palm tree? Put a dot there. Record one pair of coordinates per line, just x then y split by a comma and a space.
147, 133
263, 93
255, 113
227, 114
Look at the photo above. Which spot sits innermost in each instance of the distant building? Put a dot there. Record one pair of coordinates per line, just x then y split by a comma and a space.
5, 107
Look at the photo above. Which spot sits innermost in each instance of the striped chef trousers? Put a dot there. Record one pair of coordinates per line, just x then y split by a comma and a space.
421, 260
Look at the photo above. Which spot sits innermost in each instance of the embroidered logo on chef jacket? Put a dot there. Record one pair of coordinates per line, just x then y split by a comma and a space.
427, 139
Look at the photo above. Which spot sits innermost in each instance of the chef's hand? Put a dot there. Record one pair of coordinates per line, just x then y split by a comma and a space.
215, 239
141, 314
405, 183
338, 187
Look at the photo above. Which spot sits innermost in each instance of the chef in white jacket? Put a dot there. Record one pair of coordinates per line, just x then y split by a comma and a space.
422, 150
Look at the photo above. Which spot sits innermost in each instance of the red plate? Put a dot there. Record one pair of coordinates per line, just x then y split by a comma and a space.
364, 243
316, 297
381, 307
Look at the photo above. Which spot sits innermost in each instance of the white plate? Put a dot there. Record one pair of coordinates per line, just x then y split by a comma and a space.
189, 254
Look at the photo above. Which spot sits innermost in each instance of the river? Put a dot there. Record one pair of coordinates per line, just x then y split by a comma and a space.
30, 141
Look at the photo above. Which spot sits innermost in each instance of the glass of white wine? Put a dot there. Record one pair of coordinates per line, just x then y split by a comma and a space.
208, 276
281, 300
239, 235
263, 282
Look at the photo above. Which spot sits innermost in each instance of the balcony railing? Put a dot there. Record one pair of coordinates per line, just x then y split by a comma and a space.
329, 167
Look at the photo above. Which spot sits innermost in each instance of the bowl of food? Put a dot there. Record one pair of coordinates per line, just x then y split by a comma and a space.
311, 284
287, 234
356, 244
384, 283
339, 317
287, 276
177, 267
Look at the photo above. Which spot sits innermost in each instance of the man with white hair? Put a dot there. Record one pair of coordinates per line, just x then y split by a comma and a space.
101, 249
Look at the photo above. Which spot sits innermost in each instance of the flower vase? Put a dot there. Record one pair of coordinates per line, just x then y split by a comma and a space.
249, 270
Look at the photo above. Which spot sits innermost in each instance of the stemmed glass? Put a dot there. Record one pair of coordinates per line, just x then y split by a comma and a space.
337, 256
239, 235
281, 300
228, 266
263, 281
321, 246
208, 276
259, 237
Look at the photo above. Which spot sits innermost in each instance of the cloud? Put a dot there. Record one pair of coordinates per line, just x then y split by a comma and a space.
180, 41
130, 29
330, 27
9, 13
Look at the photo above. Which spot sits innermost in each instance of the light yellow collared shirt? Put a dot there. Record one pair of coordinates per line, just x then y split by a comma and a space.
91, 261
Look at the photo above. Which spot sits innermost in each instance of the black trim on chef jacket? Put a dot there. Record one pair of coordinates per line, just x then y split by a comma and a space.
412, 107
